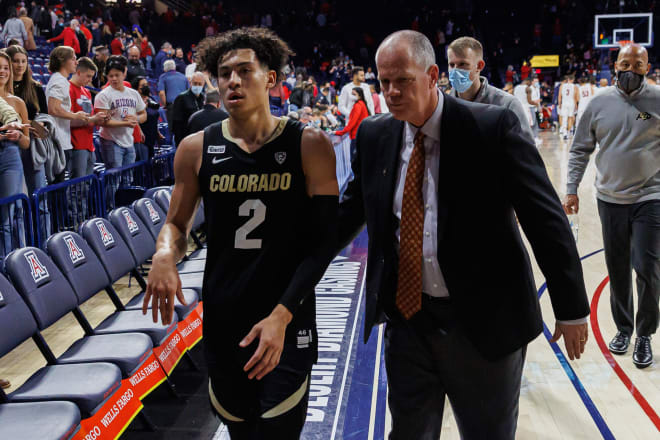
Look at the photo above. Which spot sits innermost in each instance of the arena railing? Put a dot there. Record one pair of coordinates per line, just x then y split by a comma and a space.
119, 185
162, 169
15, 223
65, 206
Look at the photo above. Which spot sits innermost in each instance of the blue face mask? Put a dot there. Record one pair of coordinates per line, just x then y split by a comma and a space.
460, 79
197, 89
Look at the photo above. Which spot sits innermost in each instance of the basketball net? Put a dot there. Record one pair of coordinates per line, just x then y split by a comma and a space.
625, 42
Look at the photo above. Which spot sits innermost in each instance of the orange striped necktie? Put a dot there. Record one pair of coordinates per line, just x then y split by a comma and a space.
409, 285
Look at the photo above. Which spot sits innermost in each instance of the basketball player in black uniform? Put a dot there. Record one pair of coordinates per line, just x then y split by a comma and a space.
271, 198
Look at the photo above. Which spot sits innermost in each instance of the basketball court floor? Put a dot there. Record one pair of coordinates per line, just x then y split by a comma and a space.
598, 396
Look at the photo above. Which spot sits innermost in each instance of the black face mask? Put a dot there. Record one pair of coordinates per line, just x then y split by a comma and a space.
145, 90
629, 81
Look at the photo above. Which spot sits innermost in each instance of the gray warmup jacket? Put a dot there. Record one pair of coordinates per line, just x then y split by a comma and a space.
627, 129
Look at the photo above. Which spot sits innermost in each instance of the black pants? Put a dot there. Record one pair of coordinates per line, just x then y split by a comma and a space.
631, 236
425, 365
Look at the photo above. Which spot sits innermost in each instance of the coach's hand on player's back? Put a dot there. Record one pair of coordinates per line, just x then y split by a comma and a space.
270, 331
162, 285
571, 204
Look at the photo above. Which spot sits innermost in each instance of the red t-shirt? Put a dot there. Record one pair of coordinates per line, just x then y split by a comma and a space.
116, 46
82, 138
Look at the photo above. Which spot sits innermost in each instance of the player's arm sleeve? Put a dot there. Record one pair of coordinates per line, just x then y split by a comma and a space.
584, 144
321, 244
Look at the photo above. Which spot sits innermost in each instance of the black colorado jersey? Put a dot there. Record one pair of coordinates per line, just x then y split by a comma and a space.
257, 212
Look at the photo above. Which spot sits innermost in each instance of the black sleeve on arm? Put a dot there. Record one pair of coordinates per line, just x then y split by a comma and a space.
41, 97
543, 220
321, 244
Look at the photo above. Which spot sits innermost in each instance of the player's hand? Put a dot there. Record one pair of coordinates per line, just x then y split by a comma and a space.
270, 332
162, 285
571, 204
575, 338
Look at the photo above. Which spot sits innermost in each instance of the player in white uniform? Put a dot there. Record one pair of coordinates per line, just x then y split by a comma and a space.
587, 91
568, 98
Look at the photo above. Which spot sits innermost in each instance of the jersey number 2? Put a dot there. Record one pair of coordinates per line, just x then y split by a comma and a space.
245, 210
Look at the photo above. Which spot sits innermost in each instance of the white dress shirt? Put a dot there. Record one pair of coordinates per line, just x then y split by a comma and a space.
433, 283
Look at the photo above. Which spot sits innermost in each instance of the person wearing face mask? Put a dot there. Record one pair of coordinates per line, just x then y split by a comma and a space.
465, 59
186, 104
624, 120
145, 149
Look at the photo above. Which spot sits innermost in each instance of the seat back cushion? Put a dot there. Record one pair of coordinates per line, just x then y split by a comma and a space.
16, 321
163, 197
151, 215
109, 247
138, 239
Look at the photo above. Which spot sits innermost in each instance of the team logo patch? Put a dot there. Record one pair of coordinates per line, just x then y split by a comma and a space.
216, 149
75, 253
106, 236
304, 338
130, 222
155, 218
644, 116
2, 300
37, 270
280, 157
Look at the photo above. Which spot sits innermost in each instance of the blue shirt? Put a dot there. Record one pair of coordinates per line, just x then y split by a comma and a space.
173, 83
159, 59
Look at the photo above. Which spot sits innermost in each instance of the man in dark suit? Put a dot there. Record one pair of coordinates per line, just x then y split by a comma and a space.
185, 105
209, 114
439, 182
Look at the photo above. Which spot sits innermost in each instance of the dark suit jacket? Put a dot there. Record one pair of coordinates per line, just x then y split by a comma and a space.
183, 107
205, 117
489, 173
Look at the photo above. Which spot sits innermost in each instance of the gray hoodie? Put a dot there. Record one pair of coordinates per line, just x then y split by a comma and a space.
627, 129
47, 152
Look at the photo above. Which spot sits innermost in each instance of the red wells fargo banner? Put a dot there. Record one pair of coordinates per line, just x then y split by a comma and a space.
169, 353
147, 377
190, 329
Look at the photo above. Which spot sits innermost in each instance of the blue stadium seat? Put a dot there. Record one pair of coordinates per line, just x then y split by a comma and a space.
86, 385
149, 193
151, 215
162, 198
51, 298
39, 420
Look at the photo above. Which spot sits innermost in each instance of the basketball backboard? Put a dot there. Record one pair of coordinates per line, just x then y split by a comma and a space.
613, 30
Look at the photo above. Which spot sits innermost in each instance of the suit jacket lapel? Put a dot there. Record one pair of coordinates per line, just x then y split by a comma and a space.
389, 149
448, 127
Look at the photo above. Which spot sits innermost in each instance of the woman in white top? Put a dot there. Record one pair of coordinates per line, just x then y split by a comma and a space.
126, 110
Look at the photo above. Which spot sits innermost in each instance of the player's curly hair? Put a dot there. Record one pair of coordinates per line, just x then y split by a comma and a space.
271, 51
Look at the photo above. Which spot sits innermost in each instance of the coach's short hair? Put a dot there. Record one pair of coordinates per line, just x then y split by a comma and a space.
272, 52
212, 97
169, 65
85, 64
59, 56
422, 49
461, 45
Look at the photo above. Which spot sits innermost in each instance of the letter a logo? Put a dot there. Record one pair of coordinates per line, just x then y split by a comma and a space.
130, 223
155, 218
75, 253
106, 237
37, 270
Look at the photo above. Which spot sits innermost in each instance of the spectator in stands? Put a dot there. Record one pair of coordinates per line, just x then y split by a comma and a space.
150, 126
6, 93
13, 28
82, 133
82, 39
11, 178
125, 109
62, 63
29, 43
117, 45
323, 99
370, 76
135, 66
101, 54
159, 61
146, 51
68, 38
302, 96
185, 104
32, 93
209, 114
346, 100
180, 61
89, 39
359, 111
375, 98
170, 85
